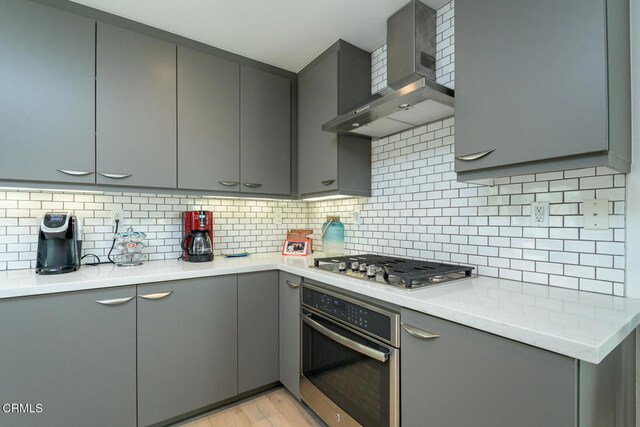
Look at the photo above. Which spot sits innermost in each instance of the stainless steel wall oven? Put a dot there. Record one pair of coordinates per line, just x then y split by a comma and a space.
350, 359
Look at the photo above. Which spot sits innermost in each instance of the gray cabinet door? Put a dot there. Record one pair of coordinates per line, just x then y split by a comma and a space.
187, 346
466, 377
265, 132
71, 354
208, 122
317, 104
289, 326
530, 81
136, 109
257, 329
47, 90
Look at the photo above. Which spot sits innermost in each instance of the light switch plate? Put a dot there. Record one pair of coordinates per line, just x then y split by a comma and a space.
357, 219
540, 214
596, 214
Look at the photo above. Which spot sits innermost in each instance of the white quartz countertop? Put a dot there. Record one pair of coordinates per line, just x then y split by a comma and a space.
582, 325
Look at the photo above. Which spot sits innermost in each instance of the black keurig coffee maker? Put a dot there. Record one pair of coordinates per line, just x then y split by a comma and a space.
58, 245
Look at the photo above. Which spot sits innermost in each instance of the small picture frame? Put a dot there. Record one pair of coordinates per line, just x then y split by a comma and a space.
295, 248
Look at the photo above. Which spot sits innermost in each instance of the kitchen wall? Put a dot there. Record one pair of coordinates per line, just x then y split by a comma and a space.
419, 210
239, 224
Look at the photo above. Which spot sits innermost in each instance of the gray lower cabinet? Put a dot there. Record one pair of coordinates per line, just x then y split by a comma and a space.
135, 109
208, 122
47, 90
257, 329
265, 132
466, 377
187, 346
333, 83
289, 326
74, 354
541, 87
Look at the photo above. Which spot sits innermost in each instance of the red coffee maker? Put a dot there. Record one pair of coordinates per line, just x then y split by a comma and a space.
197, 229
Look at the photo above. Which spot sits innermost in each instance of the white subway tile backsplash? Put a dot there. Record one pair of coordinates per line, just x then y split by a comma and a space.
487, 227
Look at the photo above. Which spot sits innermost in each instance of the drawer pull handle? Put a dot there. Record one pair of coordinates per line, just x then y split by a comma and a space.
419, 333
252, 185
475, 156
114, 175
158, 295
74, 173
115, 301
347, 342
328, 182
293, 285
228, 183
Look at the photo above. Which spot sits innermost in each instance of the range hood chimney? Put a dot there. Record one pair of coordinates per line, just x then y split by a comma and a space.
415, 97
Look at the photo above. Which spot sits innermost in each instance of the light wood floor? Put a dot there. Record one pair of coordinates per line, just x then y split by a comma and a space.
277, 408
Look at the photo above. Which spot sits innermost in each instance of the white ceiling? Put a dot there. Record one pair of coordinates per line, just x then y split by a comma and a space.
284, 33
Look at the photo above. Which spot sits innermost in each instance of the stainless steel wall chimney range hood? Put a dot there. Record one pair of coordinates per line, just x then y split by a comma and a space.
415, 97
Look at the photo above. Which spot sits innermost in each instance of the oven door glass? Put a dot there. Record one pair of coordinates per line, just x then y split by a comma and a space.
357, 383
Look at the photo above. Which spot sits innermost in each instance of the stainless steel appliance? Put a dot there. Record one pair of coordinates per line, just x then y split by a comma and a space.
401, 272
59, 247
413, 96
350, 359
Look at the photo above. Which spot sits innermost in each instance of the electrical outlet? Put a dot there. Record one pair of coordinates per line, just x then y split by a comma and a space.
357, 219
117, 214
540, 214
277, 216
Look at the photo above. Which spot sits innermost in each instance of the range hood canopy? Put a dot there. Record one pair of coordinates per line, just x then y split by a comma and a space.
415, 98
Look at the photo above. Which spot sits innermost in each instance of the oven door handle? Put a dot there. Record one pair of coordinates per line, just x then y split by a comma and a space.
353, 345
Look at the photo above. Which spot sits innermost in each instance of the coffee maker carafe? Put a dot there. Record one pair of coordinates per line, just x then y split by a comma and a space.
58, 244
196, 241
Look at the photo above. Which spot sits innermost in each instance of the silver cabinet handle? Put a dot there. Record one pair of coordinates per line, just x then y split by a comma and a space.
115, 301
419, 333
252, 185
114, 175
475, 156
228, 183
353, 345
74, 173
158, 295
328, 182
293, 285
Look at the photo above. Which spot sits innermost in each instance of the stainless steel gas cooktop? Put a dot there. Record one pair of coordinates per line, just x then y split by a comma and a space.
401, 272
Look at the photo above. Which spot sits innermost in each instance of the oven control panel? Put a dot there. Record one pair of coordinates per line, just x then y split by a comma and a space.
359, 315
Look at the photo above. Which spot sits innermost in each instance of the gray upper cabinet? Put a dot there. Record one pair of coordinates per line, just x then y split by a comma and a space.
265, 132
47, 89
73, 353
466, 377
257, 330
208, 122
541, 87
289, 326
187, 346
333, 83
136, 109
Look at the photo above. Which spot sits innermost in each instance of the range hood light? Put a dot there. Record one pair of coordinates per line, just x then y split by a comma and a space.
405, 105
355, 125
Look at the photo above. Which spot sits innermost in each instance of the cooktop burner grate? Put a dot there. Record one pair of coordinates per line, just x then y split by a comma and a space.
408, 272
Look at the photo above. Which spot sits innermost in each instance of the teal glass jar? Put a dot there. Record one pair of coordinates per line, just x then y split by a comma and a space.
333, 236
